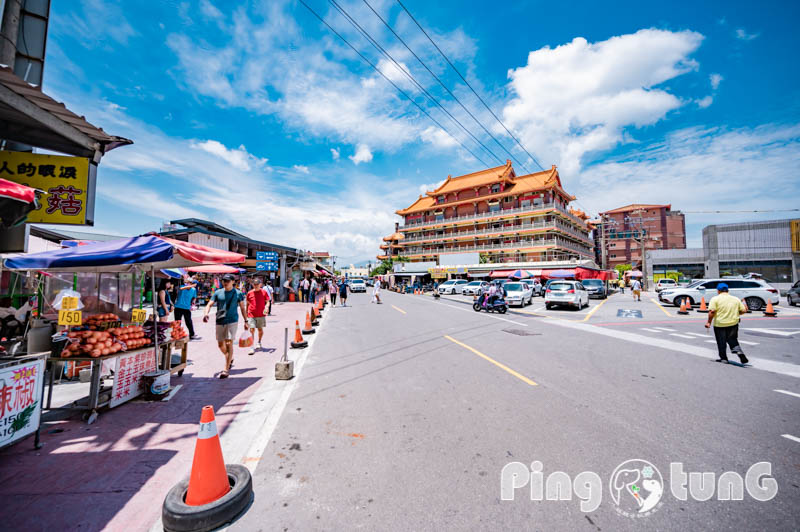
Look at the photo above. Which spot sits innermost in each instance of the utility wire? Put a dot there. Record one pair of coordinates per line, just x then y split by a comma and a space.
421, 62
470, 86
401, 91
408, 75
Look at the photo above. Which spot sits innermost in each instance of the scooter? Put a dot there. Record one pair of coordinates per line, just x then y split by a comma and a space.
499, 305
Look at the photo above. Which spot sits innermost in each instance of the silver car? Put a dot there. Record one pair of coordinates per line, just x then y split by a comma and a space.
453, 286
518, 293
474, 288
358, 285
566, 293
754, 292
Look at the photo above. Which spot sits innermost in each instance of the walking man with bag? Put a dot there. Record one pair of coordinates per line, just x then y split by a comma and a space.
228, 300
256, 302
724, 311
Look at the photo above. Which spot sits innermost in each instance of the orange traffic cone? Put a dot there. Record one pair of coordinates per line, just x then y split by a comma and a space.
309, 328
209, 480
688, 305
298, 343
315, 317
770, 312
683, 310
703, 307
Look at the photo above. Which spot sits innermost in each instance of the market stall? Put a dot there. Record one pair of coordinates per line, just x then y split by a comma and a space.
101, 340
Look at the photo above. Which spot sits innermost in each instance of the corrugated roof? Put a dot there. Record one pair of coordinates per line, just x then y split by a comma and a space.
31, 131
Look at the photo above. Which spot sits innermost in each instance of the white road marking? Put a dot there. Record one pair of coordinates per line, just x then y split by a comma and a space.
665, 329
681, 336
650, 330
788, 393
790, 437
745, 342
490, 316
698, 335
776, 332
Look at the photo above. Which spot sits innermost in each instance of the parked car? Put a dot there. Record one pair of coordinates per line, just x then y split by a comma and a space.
536, 288
566, 293
665, 283
473, 288
518, 293
595, 288
793, 295
358, 285
453, 286
754, 292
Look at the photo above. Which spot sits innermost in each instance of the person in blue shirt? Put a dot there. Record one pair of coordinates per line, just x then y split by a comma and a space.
183, 304
229, 301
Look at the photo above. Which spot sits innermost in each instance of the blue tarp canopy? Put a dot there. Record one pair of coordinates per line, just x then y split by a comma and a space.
111, 256
559, 274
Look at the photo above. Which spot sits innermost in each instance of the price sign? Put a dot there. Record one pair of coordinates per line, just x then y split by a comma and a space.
69, 303
139, 315
69, 317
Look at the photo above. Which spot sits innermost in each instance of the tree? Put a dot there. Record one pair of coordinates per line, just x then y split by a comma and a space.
386, 266
622, 268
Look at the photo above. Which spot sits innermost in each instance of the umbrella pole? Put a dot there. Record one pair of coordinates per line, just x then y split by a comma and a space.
155, 310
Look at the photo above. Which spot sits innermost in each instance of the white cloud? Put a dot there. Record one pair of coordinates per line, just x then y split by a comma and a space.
335, 153
715, 79
742, 35
239, 158
302, 169
437, 137
580, 97
209, 10
702, 103
362, 154
699, 169
424, 189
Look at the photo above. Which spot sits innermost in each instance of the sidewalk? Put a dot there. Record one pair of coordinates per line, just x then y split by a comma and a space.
113, 474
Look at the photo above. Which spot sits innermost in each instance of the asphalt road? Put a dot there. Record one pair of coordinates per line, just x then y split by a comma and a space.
406, 413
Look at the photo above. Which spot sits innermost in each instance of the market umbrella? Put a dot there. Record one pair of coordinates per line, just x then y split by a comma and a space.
519, 274
635, 273
16, 201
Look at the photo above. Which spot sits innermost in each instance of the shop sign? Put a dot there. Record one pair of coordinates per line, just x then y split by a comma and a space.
66, 181
267, 255
128, 381
20, 409
267, 266
69, 303
70, 318
138, 315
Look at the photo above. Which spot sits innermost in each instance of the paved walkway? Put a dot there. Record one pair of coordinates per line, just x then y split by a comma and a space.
113, 475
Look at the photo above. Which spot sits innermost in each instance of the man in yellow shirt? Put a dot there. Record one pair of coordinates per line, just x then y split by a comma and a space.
724, 311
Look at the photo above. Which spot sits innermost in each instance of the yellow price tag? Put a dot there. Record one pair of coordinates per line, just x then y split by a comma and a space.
139, 315
69, 303
69, 317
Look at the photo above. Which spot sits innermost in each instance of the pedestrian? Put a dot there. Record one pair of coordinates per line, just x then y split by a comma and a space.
376, 292
637, 290
270, 298
287, 288
621, 286
229, 301
332, 290
304, 286
724, 311
184, 303
256, 302
165, 306
313, 290
343, 288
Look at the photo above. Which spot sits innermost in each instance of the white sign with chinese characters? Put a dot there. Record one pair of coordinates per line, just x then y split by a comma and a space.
128, 381
20, 400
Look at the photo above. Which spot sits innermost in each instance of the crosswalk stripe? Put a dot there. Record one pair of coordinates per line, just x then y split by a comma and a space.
787, 393
698, 335
650, 330
681, 336
745, 342
667, 329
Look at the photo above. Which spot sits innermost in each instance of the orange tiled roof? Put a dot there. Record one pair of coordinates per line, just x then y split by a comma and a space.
396, 236
579, 213
520, 185
497, 174
636, 207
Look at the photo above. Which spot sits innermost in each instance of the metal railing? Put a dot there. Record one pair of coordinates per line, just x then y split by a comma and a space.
501, 212
560, 242
503, 230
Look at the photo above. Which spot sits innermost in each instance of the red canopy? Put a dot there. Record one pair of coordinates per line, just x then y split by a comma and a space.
9, 189
214, 268
204, 254
589, 273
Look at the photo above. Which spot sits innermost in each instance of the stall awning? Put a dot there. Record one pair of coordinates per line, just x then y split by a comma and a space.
535, 273
500, 274
123, 255
214, 268
558, 274
479, 275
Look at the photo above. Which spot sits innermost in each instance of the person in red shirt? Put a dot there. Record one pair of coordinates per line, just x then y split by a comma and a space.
256, 303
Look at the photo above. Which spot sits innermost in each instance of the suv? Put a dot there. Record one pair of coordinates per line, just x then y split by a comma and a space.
793, 295
473, 288
595, 288
358, 285
754, 292
536, 288
453, 286
568, 293
663, 284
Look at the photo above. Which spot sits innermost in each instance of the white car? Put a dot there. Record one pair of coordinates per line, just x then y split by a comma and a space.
453, 286
518, 294
665, 284
566, 293
474, 288
358, 285
754, 292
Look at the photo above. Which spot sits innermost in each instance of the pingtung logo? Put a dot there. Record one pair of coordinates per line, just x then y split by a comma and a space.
636, 488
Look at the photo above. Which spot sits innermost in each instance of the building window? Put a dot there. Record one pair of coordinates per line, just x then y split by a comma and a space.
439, 217
508, 199
440, 199
495, 188
494, 207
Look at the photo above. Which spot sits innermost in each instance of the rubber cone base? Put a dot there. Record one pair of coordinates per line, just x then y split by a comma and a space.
308, 331
299, 345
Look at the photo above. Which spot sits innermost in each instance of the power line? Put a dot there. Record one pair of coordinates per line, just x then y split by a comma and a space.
470, 86
421, 62
422, 89
401, 91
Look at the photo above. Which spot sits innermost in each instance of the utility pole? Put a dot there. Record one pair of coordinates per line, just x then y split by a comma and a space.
603, 250
639, 237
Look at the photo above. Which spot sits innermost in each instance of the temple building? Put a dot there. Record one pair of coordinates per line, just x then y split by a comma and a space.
495, 216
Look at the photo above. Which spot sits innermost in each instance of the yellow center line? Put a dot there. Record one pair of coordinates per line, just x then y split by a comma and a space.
398, 309
595, 309
662, 308
493, 361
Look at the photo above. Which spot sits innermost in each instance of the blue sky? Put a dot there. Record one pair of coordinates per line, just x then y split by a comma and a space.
254, 115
